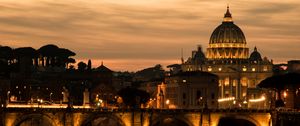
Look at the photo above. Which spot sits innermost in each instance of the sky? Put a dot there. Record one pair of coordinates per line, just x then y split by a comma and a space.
129, 35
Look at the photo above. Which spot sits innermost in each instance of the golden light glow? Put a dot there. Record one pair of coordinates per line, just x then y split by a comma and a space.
35, 105
258, 100
284, 94
167, 101
227, 45
226, 83
244, 69
227, 19
265, 68
209, 69
226, 99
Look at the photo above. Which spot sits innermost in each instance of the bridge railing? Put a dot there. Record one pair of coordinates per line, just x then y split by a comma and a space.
90, 110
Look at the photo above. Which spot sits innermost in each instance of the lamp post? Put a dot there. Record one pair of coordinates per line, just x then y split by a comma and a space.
284, 97
167, 103
20, 96
41, 102
8, 98
161, 95
51, 97
38, 101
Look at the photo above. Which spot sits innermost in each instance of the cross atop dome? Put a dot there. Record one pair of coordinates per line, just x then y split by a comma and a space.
227, 16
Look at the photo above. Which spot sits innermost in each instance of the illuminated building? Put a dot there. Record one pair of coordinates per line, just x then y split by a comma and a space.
188, 90
294, 66
228, 57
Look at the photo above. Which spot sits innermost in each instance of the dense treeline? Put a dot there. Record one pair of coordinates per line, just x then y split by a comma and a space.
14, 59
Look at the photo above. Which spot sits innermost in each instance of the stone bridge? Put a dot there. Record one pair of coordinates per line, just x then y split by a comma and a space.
128, 117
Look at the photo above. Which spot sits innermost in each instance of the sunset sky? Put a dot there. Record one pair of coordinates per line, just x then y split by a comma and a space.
134, 34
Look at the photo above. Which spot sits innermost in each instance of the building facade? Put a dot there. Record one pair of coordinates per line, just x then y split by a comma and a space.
228, 57
188, 90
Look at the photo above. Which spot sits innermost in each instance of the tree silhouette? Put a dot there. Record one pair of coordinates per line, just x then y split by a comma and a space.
280, 83
63, 56
48, 52
24, 56
70, 60
6, 54
55, 56
89, 66
6, 58
49, 55
81, 66
133, 97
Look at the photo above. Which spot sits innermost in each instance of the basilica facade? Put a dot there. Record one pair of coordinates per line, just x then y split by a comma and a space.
228, 57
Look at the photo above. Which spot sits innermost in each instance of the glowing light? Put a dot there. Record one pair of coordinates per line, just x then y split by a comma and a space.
263, 98
167, 101
265, 68
225, 45
209, 69
35, 105
226, 99
284, 94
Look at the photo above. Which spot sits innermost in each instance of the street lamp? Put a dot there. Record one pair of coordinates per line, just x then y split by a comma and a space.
161, 96
284, 97
20, 96
41, 102
8, 98
167, 102
99, 103
51, 97
284, 94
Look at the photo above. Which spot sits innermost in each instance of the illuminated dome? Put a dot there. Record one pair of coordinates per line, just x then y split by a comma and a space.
255, 55
227, 41
227, 32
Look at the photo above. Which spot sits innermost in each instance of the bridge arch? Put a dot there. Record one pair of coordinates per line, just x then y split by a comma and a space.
170, 120
36, 119
103, 120
230, 120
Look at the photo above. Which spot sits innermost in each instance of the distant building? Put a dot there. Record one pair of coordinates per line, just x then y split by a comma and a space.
288, 74
188, 90
293, 66
79, 87
102, 89
228, 57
